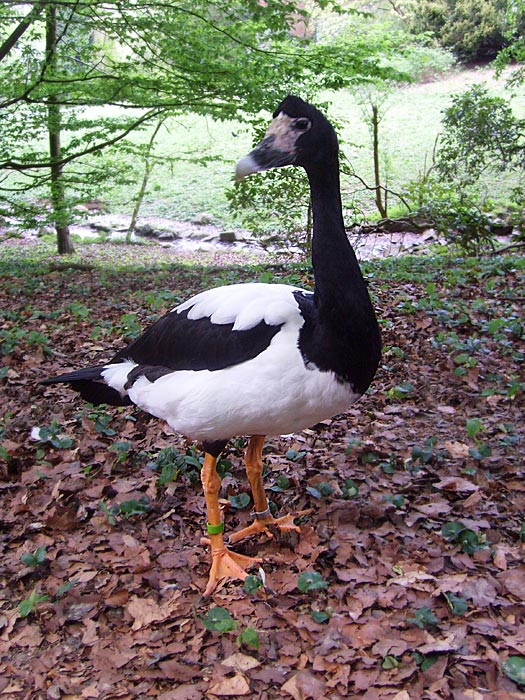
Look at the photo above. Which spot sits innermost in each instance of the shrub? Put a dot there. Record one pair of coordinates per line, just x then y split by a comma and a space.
473, 30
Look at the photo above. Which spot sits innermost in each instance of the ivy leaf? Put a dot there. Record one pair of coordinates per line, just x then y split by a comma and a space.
311, 581
65, 588
424, 617
37, 558
474, 426
390, 662
249, 638
218, 620
397, 501
282, 483
135, 507
469, 541
457, 604
350, 489
25, 608
241, 501
452, 530
252, 584
424, 661
294, 455
320, 616
514, 668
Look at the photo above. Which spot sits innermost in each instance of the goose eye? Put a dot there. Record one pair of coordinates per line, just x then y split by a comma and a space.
302, 124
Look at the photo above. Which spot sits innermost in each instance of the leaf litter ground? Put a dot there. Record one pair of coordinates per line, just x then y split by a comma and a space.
412, 551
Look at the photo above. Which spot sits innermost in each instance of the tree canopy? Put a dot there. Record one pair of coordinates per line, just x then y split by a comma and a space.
83, 75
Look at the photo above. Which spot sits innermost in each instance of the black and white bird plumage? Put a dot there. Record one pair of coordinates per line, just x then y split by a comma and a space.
258, 358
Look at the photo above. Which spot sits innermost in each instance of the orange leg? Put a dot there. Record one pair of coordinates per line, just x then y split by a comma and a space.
224, 563
263, 518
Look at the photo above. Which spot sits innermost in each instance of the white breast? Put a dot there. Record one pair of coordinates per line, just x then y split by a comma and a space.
273, 393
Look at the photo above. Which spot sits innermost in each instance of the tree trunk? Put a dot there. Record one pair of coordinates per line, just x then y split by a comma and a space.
381, 206
58, 198
19, 30
148, 168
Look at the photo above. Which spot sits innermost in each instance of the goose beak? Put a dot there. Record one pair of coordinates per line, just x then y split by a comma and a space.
263, 157
245, 166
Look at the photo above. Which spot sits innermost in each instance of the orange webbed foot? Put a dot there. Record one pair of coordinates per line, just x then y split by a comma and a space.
266, 524
228, 564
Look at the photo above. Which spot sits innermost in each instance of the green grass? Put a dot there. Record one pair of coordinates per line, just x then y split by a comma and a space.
182, 188
408, 132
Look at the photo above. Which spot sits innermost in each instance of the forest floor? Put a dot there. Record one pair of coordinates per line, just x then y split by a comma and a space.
407, 581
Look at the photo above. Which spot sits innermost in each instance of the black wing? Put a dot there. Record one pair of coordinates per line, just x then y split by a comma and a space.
176, 342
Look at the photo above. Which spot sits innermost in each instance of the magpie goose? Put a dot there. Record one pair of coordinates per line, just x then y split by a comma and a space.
256, 359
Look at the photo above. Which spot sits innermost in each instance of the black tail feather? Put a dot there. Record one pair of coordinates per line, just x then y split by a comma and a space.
90, 385
88, 373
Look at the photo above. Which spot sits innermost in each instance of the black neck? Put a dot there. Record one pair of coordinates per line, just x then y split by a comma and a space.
345, 338
338, 278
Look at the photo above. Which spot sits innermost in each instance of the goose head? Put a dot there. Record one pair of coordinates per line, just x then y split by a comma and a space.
298, 135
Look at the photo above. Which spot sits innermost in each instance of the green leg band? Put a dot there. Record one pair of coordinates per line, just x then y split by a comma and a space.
215, 529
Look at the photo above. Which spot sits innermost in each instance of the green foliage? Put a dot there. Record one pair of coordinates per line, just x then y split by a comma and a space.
350, 489
514, 52
480, 133
474, 426
252, 584
457, 604
142, 57
249, 637
401, 391
102, 419
454, 212
389, 465
514, 668
423, 618
30, 604
390, 662
425, 661
295, 455
53, 434
129, 326
311, 581
281, 484
12, 339
65, 588
321, 616
397, 500
473, 30
219, 620
275, 205
134, 506
79, 310
36, 558
481, 139
481, 450
169, 463
128, 509
427, 453
458, 533
241, 501
321, 490
122, 448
